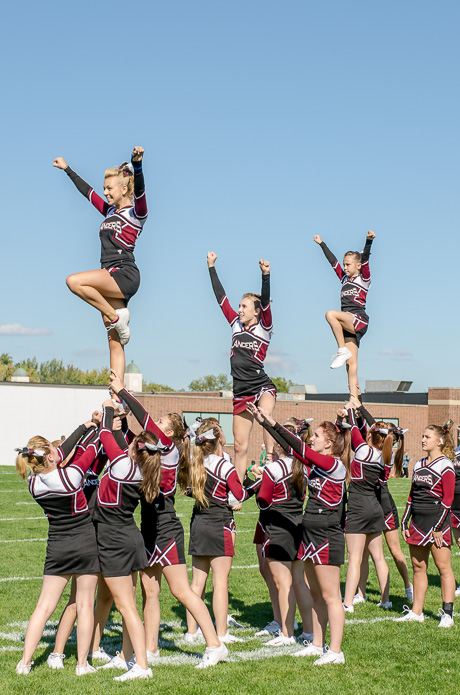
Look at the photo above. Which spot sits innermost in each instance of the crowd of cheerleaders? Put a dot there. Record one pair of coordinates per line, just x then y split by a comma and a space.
94, 539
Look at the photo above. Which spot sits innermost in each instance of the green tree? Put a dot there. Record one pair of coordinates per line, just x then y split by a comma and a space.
152, 386
210, 382
282, 384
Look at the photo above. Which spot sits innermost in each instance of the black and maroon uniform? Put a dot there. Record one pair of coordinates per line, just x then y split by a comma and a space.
430, 500
354, 290
160, 526
119, 231
71, 547
249, 347
120, 544
323, 542
211, 527
283, 502
384, 496
455, 510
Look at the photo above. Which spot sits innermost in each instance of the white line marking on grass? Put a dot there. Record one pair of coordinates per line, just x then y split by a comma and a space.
19, 579
26, 518
13, 490
25, 503
25, 540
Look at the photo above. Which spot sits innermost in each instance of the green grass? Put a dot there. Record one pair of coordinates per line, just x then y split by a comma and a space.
381, 656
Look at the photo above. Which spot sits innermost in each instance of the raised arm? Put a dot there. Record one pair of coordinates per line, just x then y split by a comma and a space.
84, 188
265, 308
72, 440
365, 271
330, 257
111, 448
229, 313
356, 436
140, 202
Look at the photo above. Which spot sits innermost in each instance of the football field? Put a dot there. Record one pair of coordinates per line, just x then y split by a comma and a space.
381, 656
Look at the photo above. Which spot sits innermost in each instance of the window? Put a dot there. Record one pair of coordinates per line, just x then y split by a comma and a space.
225, 421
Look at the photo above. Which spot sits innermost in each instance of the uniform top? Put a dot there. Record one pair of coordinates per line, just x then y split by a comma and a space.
367, 465
277, 489
457, 470
354, 290
249, 344
326, 474
121, 228
119, 490
432, 483
60, 492
222, 478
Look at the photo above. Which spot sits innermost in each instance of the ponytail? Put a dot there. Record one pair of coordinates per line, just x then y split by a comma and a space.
33, 456
149, 463
198, 472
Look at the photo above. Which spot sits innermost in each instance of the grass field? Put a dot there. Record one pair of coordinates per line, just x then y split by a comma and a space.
381, 656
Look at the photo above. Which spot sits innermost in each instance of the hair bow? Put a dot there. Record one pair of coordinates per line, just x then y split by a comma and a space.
201, 438
152, 447
25, 451
126, 169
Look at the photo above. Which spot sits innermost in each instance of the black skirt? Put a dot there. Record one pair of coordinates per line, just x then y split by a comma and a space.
211, 533
390, 513
127, 277
364, 514
121, 549
164, 541
322, 541
283, 535
422, 522
259, 534
72, 551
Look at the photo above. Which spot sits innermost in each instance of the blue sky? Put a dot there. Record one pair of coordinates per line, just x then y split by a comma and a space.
264, 123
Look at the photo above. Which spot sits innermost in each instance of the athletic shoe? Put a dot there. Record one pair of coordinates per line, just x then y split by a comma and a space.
410, 616
213, 655
295, 624
310, 650
457, 591
192, 637
348, 609
330, 657
231, 622
135, 672
100, 655
385, 604
410, 593
229, 639
446, 619
271, 629
121, 326
83, 670
305, 638
280, 641
115, 662
23, 669
357, 598
341, 356
55, 660
153, 657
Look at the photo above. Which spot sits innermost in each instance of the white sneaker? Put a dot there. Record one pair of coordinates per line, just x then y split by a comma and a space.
135, 672
310, 650
153, 657
280, 641
192, 637
83, 670
271, 629
410, 616
100, 655
121, 326
410, 593
446, 620
213, 655
231, 622
23, 669
348, 609
55, 660
385, 604
339, 359
229, 639
305, 638
357, 598
115, 662
330, 657
457, 591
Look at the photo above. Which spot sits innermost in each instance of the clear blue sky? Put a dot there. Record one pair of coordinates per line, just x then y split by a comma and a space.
264, 123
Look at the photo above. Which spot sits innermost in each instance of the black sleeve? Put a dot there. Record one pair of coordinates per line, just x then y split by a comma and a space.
328, 253
107, 418
366, 250
365, 414
82, 186
72, 440
120, 439
216, 284
136, 408
285, 438
139, 185
265, 294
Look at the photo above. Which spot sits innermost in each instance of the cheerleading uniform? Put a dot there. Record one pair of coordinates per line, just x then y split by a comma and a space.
354, 290
322, 541
455, 509
71, 546
430, 500
284, 503
119, 231
161, 528
120, 544
249, 347
211, 527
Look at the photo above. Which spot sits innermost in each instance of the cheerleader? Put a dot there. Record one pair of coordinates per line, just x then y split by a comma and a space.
455, 510
211, 543
71, 548
251, 332
322, 548
350, 323
110, 289
426, 521
281, 496
365, 519
163, 533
